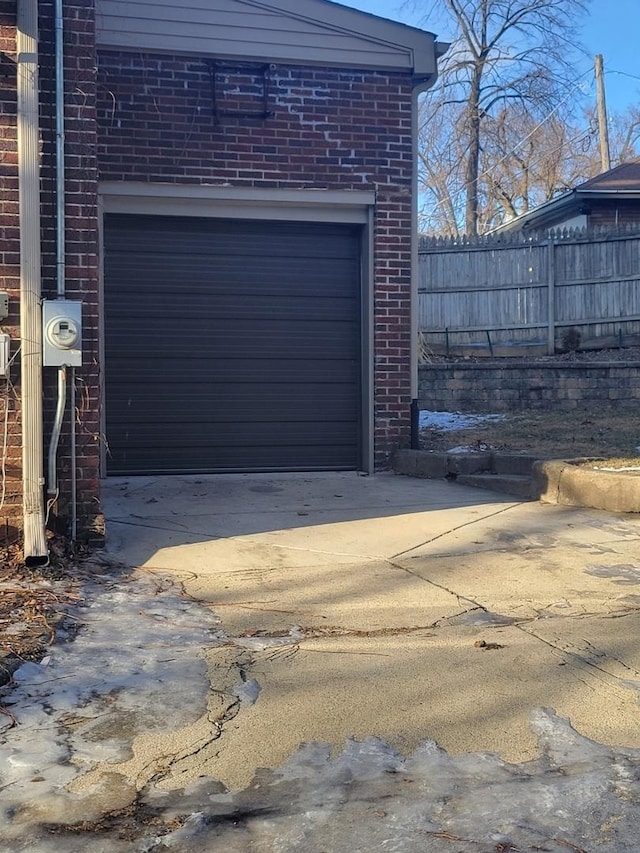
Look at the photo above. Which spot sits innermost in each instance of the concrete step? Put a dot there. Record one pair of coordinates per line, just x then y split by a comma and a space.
558, 481
512, 463
518, 485
421, 463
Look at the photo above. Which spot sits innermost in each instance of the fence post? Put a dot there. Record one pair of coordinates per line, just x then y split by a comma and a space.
551, 295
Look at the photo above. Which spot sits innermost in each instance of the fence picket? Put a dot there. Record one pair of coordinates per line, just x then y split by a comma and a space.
530, 289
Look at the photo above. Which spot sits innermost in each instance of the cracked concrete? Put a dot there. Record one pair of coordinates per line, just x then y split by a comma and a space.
406, 609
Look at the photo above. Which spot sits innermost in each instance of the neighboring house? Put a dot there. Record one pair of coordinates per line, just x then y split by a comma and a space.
230, 282
608, 200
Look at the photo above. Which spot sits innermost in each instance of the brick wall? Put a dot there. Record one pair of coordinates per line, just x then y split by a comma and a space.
81, 242
9, 273
333, 129
503, 387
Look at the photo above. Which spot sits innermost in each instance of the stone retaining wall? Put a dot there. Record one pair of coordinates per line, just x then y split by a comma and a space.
496, 386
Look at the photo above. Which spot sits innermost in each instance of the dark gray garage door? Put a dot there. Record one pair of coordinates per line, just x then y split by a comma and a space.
231, 345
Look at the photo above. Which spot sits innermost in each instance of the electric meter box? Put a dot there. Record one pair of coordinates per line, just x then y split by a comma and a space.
62, 333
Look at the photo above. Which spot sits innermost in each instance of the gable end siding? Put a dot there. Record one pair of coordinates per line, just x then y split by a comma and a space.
231, 28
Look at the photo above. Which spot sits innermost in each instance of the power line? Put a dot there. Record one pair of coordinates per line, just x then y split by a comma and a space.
622, 73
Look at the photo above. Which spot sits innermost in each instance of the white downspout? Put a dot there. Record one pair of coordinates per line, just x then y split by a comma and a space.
35, 544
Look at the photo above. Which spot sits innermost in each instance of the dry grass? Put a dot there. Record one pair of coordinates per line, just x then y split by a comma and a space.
550, 435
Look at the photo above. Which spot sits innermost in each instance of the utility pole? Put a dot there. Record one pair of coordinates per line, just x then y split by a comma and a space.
603, 129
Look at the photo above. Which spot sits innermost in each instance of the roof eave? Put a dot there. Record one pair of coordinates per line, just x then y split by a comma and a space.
537, 217
604, 194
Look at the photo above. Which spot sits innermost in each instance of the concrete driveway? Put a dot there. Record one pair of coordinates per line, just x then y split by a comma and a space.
406, 609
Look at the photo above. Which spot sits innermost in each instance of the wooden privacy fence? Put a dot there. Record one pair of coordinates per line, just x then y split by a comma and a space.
499, 295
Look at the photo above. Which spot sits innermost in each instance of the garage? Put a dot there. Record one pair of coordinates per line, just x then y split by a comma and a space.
231, 345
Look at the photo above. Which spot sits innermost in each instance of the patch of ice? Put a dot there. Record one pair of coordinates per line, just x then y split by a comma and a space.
136, 666
621, 468
579, 795
465, 448
625, 574
450, 421
247, 692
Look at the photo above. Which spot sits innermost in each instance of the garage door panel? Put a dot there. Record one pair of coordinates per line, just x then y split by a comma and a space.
239, 238
203, 370
174, 277
220, 434
231, 345
229, 459
205, 311
232, 402
238, 340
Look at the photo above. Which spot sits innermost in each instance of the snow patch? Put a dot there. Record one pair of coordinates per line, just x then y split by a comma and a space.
450, 421
614, 469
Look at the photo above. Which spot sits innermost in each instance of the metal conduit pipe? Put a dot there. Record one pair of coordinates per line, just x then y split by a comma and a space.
74, 485
52, 475
35, 544
60, 233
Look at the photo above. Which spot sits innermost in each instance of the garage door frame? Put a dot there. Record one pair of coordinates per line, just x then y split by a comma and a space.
336, 206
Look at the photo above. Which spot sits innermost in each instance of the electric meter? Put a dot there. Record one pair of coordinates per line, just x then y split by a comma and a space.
62, 333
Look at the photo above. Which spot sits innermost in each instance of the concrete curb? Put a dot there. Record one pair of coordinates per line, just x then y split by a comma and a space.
422, 463
571, 484
558, 481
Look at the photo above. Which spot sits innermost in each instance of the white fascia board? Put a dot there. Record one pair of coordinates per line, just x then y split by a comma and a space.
421, 43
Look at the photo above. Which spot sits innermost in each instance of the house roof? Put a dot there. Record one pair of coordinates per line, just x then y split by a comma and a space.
318, 32
623, 181
625, 178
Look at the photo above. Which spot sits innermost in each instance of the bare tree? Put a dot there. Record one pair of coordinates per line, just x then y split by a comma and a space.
440, 153
525, 162
506, 52
624, 134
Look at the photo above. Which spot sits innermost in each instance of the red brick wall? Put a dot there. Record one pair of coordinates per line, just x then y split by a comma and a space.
329, 128
81, 242
11, 494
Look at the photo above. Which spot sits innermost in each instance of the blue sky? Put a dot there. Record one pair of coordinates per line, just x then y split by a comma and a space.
612, 28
